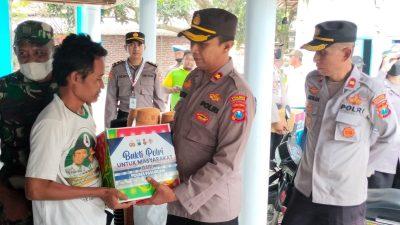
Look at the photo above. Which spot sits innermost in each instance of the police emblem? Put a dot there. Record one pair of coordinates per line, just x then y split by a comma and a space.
351, 83
217, 76
354, 100
238, 114
215, 97
308, 121
135, 34
238, 104
313, 90
202, 117
196, 20
309, 108
384, 110
187, 84
381, 104
238, 98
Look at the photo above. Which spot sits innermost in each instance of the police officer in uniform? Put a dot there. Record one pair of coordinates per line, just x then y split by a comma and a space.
133, 83
212, 124
343, 106
385, 169
23, 94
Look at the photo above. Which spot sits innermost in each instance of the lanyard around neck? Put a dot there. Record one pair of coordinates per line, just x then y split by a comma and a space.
133, 82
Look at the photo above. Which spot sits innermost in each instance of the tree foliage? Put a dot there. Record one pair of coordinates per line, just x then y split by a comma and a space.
168, 12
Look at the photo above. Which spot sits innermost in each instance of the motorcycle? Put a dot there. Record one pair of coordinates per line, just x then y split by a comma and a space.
284, 167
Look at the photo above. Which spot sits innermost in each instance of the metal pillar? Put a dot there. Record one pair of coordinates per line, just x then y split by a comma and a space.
6, 66
260, 38
88, 19
148, 25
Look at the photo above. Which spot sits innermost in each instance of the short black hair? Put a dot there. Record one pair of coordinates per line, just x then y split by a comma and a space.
76, 53
187, 52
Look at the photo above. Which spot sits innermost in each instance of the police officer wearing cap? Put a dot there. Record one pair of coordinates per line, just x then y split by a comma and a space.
23, 94
133, 83
212, 124
386, 169
343, 106
358, 61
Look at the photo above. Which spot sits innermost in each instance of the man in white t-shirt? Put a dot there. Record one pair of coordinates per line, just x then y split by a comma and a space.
296, 76
64, 186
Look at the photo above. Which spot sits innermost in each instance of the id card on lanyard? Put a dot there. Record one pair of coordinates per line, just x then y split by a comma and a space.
132, 99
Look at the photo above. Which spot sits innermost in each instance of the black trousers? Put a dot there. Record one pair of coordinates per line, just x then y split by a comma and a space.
396, 182
176, 220
385, 180
121, 120
302, 211
381, 180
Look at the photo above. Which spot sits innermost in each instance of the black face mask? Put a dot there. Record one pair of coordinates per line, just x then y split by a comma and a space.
395, 70
179, 60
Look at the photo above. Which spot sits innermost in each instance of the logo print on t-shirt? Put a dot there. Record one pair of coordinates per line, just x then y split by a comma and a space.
81, 167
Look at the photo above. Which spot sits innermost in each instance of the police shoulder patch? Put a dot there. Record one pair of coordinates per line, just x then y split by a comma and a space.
381, 104
151, 63
238, 107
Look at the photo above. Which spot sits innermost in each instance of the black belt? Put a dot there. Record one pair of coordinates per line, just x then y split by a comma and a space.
122, 114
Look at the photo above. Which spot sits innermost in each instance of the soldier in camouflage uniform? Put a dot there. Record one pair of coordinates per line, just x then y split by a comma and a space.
23, 94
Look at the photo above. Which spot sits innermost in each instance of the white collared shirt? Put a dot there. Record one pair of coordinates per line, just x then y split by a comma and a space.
334, 164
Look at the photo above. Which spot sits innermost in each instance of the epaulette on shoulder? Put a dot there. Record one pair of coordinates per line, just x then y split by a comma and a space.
117, 63
151, 63
375, 85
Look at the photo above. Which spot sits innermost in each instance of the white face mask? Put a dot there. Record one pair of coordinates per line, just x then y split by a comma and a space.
36, 71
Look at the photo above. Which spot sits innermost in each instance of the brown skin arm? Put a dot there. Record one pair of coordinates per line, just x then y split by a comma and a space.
40, 189
170, 90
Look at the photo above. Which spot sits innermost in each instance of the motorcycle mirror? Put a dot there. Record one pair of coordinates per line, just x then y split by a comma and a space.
287, 112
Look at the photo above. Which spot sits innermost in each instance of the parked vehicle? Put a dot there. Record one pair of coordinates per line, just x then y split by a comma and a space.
287, 159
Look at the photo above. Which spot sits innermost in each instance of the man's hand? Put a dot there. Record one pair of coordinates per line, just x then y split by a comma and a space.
111, 197
279, 128
163, 194
388, 61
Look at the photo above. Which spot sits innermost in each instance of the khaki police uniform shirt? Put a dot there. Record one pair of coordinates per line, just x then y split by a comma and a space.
212, 124
387, 162
148, 90
334, 164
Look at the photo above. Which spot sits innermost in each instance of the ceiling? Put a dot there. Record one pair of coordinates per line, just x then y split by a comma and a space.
96, 2
290, 4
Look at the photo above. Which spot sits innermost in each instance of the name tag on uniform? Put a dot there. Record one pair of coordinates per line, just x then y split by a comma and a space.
132, 102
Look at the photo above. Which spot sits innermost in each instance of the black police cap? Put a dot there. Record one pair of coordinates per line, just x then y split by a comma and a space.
330, 32
209, 23
134, 36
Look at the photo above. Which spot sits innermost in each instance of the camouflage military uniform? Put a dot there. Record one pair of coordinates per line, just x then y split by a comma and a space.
21, 100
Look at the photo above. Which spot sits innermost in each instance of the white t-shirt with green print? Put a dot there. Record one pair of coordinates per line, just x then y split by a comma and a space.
62, 147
